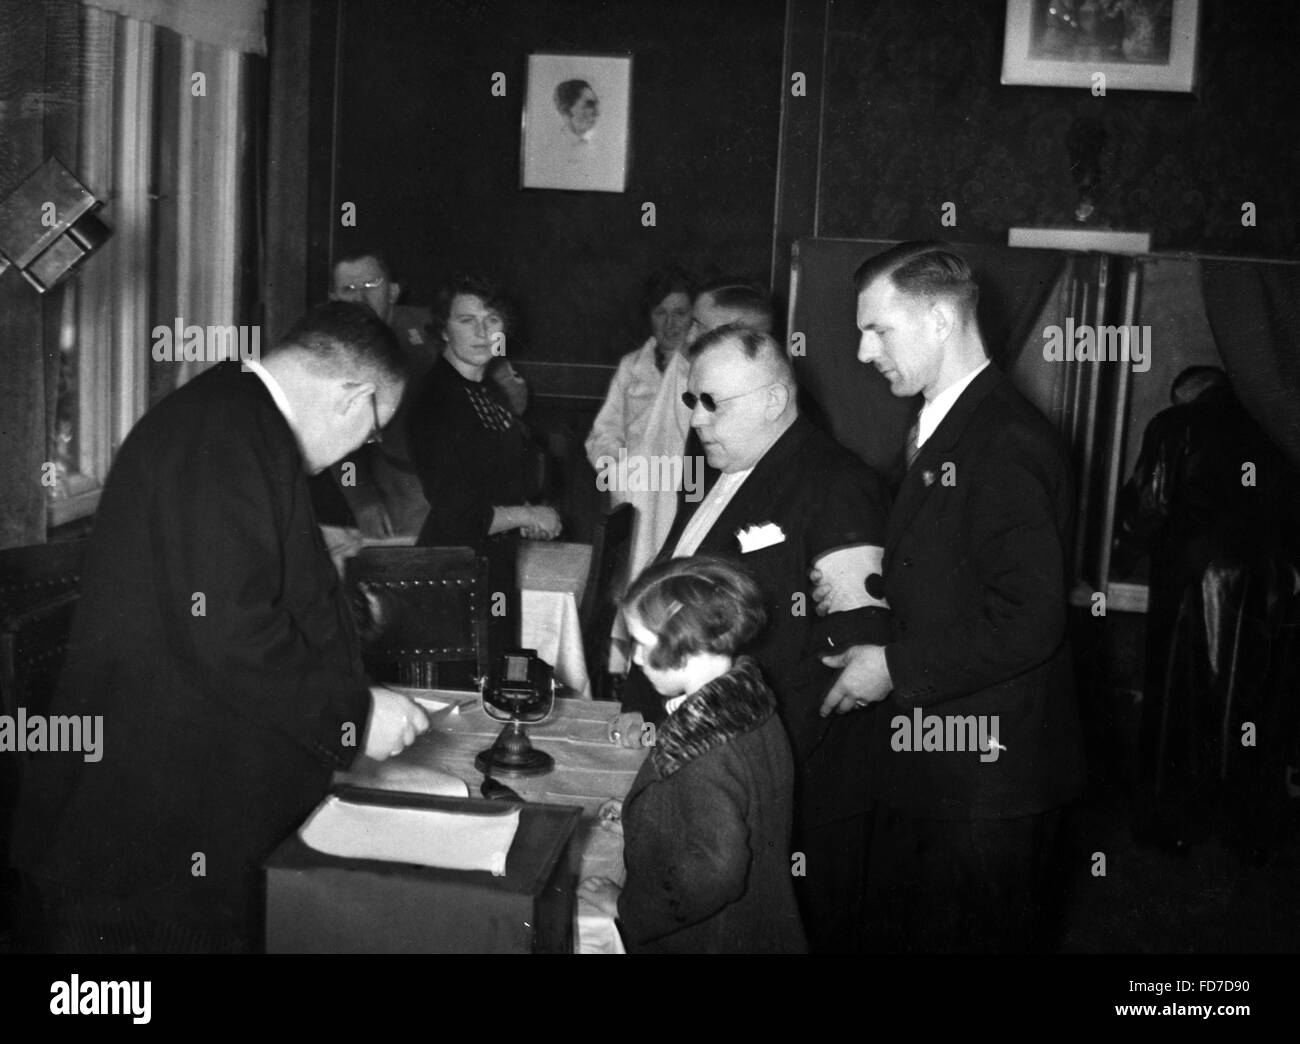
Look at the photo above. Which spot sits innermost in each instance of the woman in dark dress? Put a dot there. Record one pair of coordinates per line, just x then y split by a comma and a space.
481, 472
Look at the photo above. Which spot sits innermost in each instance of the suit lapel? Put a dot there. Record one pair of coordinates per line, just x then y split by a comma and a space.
927, 470
753, 501
753, 497
685, 510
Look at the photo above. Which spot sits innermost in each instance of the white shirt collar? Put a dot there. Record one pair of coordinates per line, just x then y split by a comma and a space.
934, 411
272, 386
709, 511
675, 702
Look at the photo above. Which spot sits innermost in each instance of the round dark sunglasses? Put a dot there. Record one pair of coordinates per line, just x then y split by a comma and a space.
711, 404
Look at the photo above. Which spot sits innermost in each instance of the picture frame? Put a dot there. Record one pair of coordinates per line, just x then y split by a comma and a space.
1136, 45
575, 132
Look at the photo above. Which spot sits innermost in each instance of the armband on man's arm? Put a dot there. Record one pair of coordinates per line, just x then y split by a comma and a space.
853, 609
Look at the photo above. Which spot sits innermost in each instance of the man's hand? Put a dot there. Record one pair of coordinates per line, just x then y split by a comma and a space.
602, 893
628, 730
543, 523
610, 816
821, 593
512, 385
395, 721
865, 679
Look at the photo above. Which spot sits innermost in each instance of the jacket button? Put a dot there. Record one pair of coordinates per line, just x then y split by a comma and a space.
906, 561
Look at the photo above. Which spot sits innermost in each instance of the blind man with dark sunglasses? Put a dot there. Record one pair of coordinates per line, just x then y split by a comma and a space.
783, 495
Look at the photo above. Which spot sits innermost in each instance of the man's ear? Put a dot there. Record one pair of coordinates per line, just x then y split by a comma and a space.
778, 400
943, 316
350, 394
394, 292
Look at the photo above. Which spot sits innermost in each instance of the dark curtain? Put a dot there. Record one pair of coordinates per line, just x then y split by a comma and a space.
1254, 313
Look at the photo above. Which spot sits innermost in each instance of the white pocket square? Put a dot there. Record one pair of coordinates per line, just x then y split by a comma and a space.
755, 538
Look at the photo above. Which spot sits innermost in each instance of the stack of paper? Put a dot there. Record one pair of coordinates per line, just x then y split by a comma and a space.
449, 840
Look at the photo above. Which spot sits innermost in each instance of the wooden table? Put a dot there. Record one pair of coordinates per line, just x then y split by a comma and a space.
588, 770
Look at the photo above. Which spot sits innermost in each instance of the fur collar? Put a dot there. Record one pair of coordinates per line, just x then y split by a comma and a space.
727, 707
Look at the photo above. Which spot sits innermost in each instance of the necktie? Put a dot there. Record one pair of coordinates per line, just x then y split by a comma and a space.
913, 447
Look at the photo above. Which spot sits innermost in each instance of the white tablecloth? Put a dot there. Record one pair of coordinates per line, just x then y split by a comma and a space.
552, 577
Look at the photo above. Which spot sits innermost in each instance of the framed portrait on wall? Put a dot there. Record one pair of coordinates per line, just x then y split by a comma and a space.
576, 122
1135, 45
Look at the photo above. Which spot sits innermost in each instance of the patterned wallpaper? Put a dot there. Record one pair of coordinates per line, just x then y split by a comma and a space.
916, 117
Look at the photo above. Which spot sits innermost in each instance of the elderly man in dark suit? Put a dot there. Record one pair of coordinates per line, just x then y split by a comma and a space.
213, 638
783, 495
978, 746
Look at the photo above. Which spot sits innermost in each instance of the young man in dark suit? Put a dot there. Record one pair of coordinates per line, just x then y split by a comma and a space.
783, 495
979, 745
213, 639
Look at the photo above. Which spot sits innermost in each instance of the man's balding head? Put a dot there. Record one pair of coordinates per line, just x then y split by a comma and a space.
729, 303
747, 379
343, 373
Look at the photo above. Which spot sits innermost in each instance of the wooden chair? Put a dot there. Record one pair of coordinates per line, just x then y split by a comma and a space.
606, 581
39, 587
423, 614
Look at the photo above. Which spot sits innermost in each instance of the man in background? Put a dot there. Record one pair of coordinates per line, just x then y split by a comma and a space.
729, 301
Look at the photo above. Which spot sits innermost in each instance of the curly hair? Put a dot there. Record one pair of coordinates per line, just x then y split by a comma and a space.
699, 604
471, 284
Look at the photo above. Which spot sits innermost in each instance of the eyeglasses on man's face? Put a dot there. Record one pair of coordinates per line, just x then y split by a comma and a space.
376, 433
357, 288
711, 404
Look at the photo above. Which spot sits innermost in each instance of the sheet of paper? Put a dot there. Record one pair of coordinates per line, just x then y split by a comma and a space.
433, 700
426, 837
402, 774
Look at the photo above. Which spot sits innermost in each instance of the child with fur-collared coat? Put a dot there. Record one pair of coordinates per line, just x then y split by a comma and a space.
706, 824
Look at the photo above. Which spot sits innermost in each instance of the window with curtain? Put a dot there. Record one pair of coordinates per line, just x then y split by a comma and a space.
161, 130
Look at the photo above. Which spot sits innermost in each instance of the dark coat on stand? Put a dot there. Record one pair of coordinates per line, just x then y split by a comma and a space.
1220, 625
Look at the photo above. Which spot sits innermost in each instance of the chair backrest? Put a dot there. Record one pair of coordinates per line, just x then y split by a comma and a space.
606, 581
39, 587
423, 614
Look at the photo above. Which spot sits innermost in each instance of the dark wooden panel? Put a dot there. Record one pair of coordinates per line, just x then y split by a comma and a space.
799, 159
